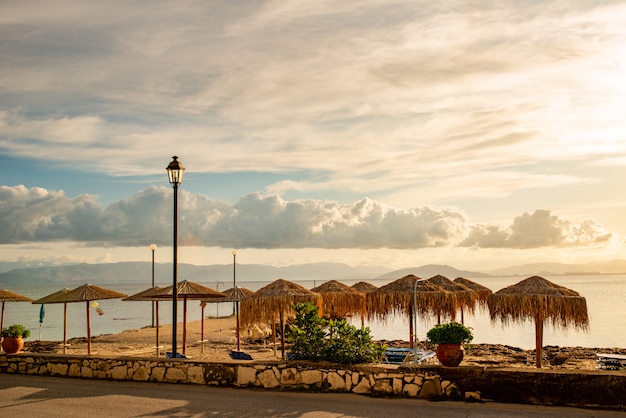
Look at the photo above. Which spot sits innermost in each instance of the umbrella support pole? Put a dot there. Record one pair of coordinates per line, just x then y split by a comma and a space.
538, 341
184, 325
88, 329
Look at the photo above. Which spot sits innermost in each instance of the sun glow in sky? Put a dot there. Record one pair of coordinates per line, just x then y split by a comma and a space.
477, 134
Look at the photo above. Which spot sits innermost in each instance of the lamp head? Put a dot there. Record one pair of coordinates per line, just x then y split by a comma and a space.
175, 171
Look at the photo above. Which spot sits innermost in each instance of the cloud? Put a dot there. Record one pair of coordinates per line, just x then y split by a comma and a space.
268, 222
536, 230
255, 221
414, 104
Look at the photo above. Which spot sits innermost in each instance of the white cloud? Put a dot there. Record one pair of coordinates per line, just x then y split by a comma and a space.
256, 221
536, 230
414, 104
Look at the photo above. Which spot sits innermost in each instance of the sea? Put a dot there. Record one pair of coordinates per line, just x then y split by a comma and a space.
605, 296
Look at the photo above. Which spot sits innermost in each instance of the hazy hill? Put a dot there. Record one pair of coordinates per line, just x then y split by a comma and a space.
141, 272
221, 275
547, 269
430, 270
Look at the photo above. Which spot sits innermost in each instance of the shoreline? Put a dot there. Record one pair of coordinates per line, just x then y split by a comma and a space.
220, 340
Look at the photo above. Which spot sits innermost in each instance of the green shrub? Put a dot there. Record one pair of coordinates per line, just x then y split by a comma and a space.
337, 341
307, 334
350, 345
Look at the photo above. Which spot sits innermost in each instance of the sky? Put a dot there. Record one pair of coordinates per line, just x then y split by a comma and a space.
478, 134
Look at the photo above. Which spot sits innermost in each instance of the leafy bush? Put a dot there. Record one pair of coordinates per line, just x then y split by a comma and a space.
450, 333
315, 338
350, 345
16, 330
307, 334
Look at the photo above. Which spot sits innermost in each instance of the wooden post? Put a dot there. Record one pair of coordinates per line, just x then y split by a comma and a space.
88, 329
237, 308
184, 323
538, 341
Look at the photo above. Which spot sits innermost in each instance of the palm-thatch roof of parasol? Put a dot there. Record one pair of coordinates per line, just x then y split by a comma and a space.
89, 292
189, 290
464, 296
482, 292
538, 299
145, 295
234, 294
398, 297
364, 287
55, 297
339, 300
275, 299
9, 296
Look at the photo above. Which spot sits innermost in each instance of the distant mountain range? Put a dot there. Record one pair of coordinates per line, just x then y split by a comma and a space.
555, 269
141, 272
222, 274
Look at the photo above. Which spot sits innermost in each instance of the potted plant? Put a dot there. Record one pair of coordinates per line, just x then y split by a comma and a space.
12, 338
450, 338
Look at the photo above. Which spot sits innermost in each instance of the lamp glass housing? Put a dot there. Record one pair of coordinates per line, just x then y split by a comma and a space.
175, 171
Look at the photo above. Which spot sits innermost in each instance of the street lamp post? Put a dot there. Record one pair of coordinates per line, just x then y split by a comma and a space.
414, 323
175, 171
152, 248
234, 280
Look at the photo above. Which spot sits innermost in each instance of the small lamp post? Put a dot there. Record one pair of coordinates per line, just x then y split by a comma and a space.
152, 248
175, 171
234, 280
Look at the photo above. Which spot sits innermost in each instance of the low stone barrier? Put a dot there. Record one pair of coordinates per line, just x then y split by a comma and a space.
370, 380
597, 389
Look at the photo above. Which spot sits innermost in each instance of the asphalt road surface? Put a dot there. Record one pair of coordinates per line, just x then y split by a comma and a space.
37, 396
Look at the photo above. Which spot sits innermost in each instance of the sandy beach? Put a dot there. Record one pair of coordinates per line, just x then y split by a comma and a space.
220, 340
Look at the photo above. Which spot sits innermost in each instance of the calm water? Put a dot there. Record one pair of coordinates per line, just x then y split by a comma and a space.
605, 295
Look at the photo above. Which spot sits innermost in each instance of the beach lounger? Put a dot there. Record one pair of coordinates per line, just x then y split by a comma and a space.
169, 354
610, 361
394, 355
240, 355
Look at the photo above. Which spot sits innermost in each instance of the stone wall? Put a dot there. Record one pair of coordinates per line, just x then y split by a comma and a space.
601, 389
369, 380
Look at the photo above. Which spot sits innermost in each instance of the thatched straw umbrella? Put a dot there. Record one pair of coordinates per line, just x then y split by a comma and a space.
237, 294
276, 299
149, 295
364, 287
482, 293
188, 290
86, 293
464, 297
55, 298
539, 299
408, 294
9, 296
340, 300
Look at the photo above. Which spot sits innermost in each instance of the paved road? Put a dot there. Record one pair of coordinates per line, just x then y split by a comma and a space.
37, 396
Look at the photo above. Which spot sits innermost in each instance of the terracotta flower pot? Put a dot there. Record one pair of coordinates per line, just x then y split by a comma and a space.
450, 355
12, 345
